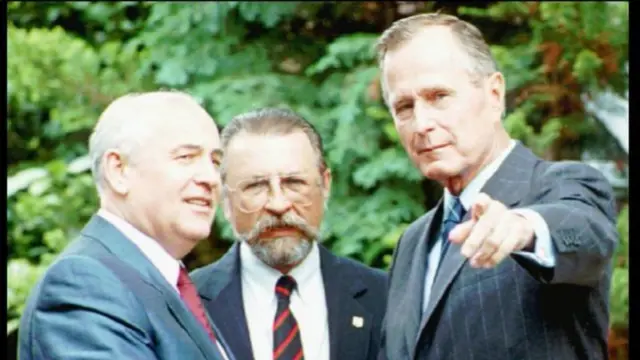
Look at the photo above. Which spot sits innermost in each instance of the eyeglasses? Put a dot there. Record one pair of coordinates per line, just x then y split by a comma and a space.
255, 193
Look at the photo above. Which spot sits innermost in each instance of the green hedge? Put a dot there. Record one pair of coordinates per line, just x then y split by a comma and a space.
315, 58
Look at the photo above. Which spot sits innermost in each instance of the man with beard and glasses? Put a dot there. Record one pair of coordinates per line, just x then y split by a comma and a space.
278, 293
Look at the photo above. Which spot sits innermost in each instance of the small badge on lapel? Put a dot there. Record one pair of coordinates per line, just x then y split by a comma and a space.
357, 321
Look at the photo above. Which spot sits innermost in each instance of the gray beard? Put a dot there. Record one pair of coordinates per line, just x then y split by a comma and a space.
282, 251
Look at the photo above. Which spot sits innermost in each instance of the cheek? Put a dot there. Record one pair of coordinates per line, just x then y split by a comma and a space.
313, 214
405, 137
243, 222
468, 144
465, 125
147, 184
178, 180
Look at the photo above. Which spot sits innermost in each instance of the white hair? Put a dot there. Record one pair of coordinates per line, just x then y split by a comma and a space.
125, 123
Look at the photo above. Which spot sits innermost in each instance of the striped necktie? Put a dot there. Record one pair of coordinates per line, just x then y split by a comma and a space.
286, 334
453, 218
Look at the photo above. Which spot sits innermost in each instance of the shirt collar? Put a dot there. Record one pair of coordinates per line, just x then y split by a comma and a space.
469, 193
168, 266
266, 276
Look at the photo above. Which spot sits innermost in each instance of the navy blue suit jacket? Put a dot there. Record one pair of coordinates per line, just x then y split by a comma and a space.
351, 289
518, 309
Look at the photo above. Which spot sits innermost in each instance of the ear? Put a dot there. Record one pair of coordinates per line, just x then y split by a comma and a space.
226, 208
116, 172
326, 180
496, 92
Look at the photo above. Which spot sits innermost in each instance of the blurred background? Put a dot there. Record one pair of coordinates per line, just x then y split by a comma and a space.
566, 69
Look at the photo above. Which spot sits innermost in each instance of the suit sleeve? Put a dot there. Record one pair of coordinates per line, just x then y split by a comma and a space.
84, 312
578, 205
542, 251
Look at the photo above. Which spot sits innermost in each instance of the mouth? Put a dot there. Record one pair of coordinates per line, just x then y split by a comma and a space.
430, 149
279, 231
200, 203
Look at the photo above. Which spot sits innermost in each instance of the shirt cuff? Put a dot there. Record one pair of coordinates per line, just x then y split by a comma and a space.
543, 248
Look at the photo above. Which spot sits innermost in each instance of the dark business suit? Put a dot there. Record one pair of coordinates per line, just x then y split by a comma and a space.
517, 310
351, 289
103, 299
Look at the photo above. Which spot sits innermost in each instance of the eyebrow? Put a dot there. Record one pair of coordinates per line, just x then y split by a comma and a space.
406, 95
400, 100
263, 176
192, 147
403, 96
434, 87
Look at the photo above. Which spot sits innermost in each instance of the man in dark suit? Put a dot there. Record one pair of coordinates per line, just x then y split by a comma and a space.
119, 291
284, 295
515, 261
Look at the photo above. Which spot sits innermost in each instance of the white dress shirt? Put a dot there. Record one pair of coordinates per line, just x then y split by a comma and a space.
543, 249
168, 266
308, 304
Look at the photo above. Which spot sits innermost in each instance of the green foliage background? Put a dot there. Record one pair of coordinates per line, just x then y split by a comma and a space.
66, 61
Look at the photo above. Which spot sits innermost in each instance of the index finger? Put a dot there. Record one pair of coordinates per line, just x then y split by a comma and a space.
461, 231
480, 206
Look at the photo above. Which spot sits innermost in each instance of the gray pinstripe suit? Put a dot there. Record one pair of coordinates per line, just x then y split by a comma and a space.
517, 310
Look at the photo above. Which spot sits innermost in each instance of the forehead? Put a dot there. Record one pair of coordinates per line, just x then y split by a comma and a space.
433, 57
174, 127
249, 155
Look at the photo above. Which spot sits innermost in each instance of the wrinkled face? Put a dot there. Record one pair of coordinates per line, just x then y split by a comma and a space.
173, 178
275, 195
446, 122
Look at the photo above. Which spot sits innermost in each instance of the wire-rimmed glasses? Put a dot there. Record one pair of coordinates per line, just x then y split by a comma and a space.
255, 193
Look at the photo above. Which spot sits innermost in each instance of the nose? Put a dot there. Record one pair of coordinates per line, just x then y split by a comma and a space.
424, 118
208, 174
277, 204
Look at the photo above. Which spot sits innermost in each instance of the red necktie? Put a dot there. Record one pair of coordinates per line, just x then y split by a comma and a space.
287, 344
190, 296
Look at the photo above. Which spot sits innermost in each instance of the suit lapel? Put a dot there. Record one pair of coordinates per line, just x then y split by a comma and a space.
124, 249
451, 264
190, 324
222, 298
110, 237
349, 322
417, 276
509, 183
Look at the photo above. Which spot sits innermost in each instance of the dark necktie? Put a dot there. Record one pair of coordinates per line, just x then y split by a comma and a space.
453, 218
286, 334
190, 296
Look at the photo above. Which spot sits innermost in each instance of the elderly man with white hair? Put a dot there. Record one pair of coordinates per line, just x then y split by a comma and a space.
120, 291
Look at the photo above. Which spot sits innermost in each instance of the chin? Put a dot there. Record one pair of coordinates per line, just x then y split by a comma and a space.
197, 232
283, 251
438, 171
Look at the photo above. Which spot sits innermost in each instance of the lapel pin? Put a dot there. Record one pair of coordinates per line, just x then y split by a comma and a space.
357, 321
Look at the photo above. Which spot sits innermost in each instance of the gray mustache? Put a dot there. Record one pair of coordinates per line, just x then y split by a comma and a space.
288, 220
